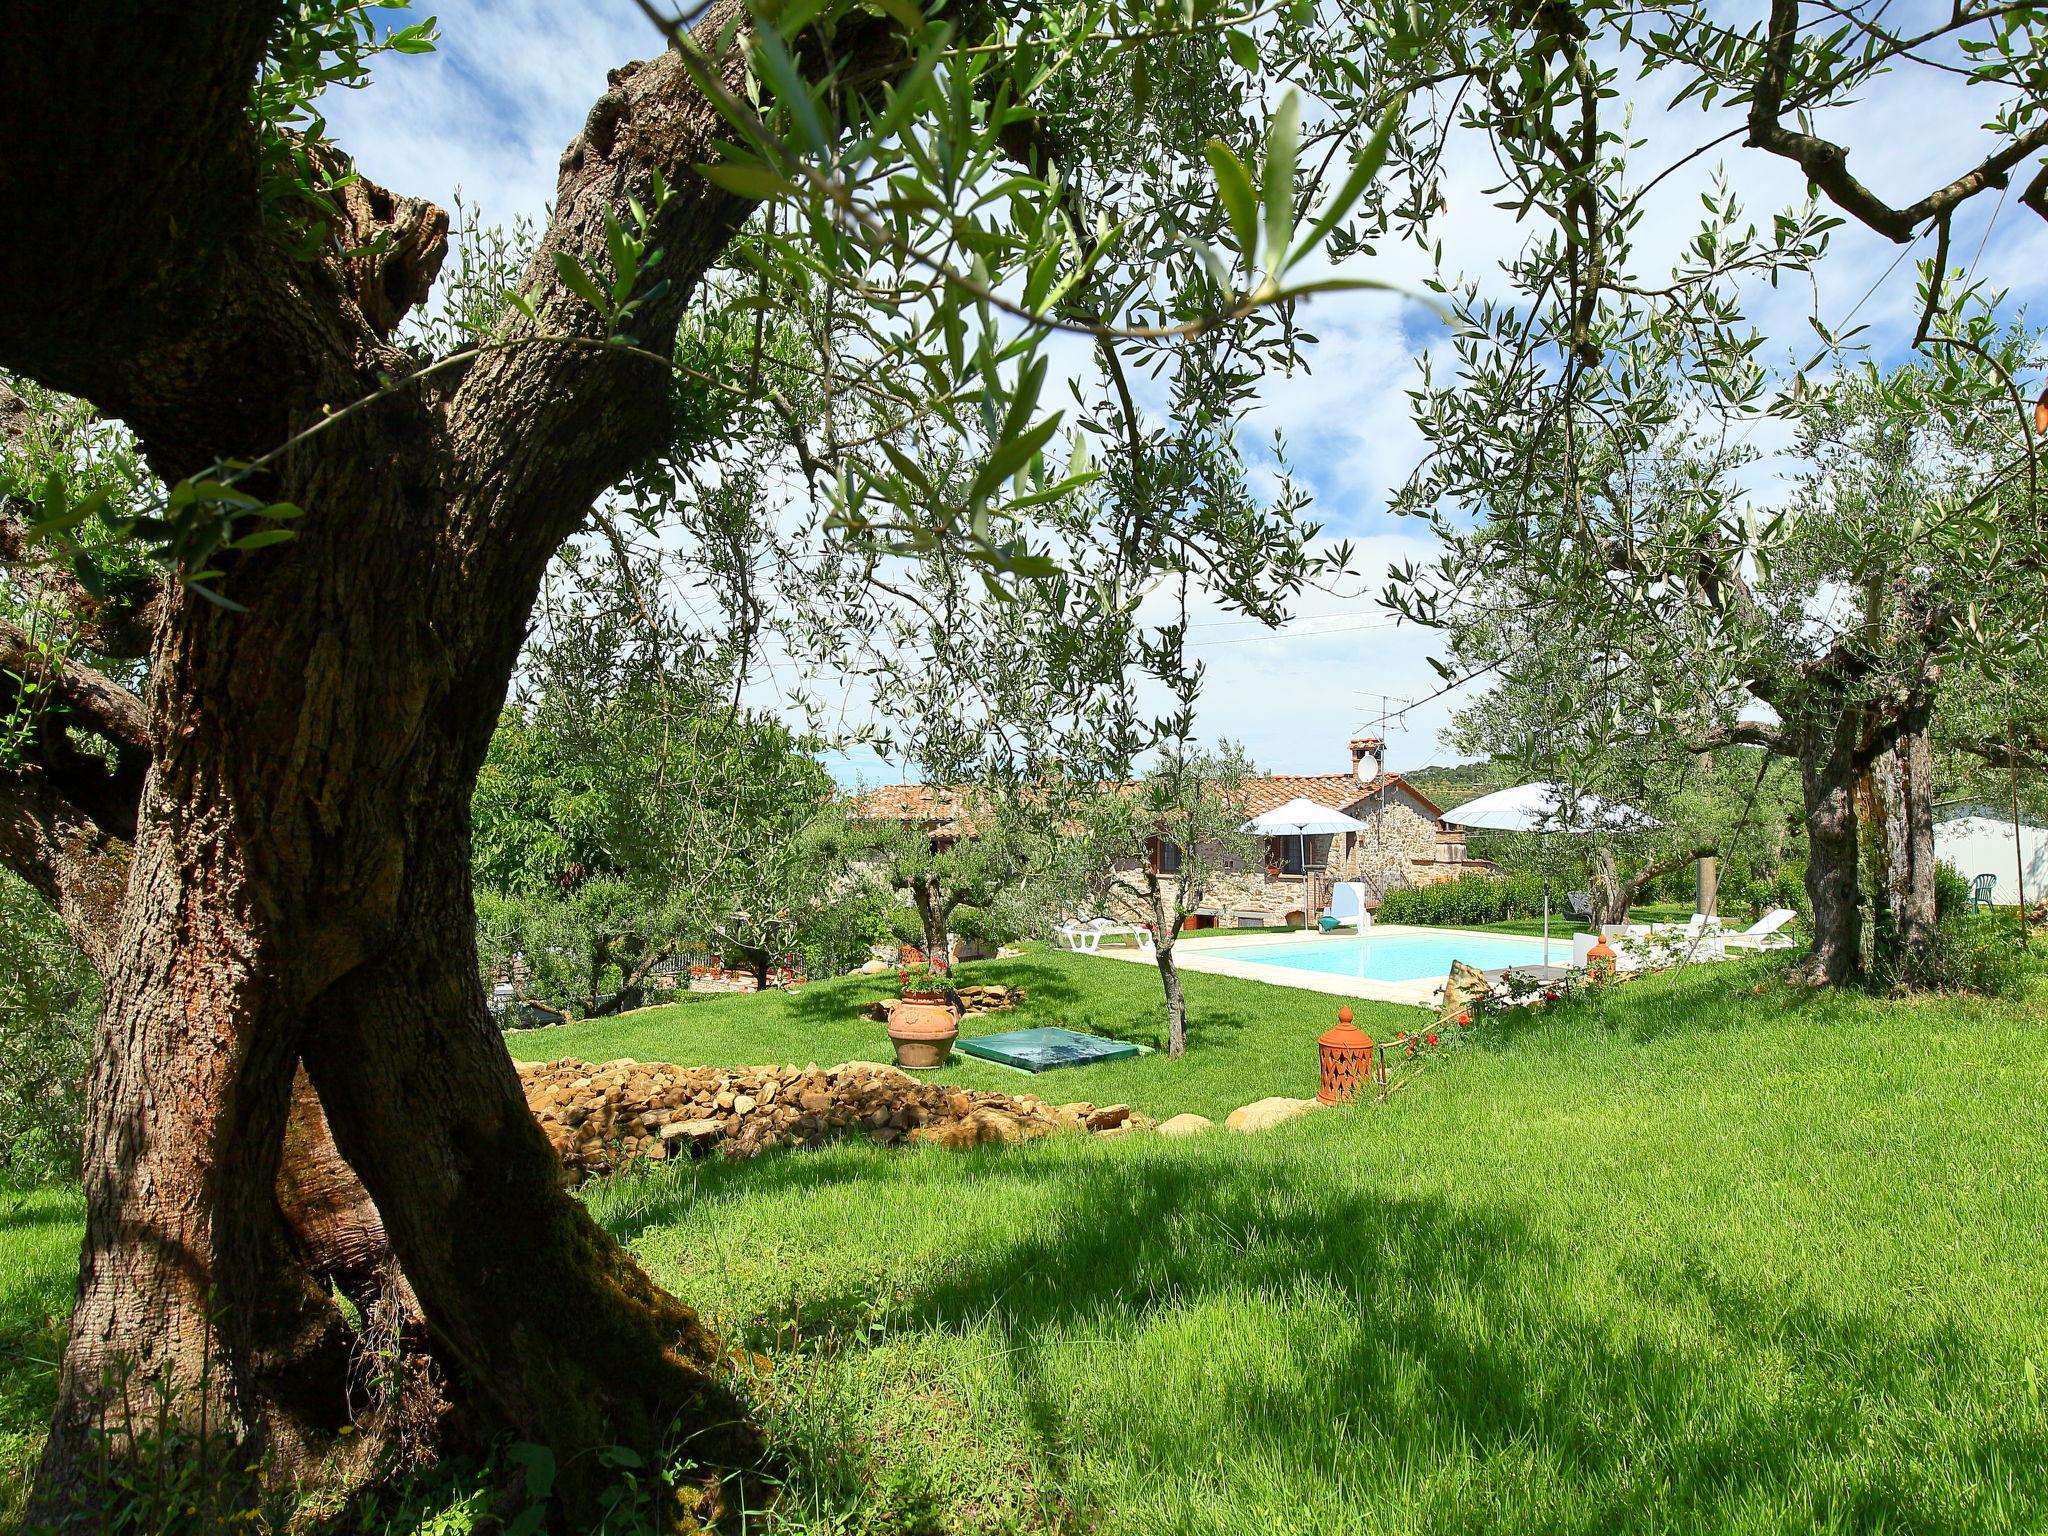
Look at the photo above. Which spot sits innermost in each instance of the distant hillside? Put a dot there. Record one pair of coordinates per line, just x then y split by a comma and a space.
1455, 783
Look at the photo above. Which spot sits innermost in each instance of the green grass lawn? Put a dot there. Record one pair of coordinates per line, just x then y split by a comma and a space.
39, 1232
1563, 927
1686, 1259
1248, 1040
1704, 1255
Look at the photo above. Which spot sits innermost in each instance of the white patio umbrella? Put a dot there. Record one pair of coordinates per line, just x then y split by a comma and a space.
1547, 806
1302, 817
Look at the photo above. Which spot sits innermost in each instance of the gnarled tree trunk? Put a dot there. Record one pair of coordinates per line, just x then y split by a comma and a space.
931, 920
289, 880
1613, 894
1898, 807
1827, 781
1176, 1000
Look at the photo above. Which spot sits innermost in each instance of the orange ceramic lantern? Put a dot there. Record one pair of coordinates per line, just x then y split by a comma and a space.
1347, 1059
1600, 959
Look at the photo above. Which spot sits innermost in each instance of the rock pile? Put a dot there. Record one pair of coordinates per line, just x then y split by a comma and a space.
972, 1001
600, 1117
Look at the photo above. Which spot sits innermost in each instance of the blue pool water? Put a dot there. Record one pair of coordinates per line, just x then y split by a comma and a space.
1402, 956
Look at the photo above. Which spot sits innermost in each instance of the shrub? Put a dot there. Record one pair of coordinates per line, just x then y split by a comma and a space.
49, 996
1788, 889
1951, 892
1473, 898
1970, 954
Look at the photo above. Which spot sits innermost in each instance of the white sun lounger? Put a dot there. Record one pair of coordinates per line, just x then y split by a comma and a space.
1765, 933
1086, 938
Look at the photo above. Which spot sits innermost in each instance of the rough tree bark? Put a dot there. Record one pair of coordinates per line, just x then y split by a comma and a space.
289, 881
1827, 782
1897, 805
932, 911
1176, 1001
1168, 905
1838, 728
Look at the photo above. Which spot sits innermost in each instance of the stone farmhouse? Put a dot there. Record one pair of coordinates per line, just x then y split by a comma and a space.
1405, 841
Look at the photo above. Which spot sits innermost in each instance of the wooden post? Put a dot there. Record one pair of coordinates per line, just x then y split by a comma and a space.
2019, 847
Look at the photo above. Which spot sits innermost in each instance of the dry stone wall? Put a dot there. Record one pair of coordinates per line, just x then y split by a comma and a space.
598, 1118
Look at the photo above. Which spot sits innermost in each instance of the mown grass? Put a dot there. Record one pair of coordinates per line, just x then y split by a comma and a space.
1704, 1255
39, 1233
1248, 1040
1562, 927
1688, 1259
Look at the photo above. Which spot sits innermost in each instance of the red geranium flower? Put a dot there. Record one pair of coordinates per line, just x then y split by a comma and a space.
1432, 1038
1464, 1021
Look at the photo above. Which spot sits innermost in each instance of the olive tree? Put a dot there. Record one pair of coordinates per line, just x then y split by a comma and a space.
1816, 625
1157, 847
823, 245
245, 781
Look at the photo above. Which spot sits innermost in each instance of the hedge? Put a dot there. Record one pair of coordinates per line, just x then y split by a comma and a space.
1468, 899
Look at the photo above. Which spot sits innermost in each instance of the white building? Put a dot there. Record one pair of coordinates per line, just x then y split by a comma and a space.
1975, 839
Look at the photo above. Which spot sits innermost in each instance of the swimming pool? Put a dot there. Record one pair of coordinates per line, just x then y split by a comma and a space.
1407, 956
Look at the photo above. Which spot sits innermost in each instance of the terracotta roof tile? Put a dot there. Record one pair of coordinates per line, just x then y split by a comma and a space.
1339, 791
944, 809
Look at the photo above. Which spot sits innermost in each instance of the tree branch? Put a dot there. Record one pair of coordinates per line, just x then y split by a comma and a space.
2025, 756
78, 867
540, 431
102, 705
1746, 733
115, 625
140, 272
1826, 163
118, 625
1660, 867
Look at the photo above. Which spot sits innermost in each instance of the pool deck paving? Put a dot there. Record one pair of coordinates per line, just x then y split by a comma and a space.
1213, 958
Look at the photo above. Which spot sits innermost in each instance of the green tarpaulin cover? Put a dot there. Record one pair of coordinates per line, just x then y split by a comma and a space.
1040, 1050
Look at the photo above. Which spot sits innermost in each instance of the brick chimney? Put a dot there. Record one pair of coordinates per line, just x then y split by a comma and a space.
1368, 757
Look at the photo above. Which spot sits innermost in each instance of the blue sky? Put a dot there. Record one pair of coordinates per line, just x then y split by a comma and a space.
490, 111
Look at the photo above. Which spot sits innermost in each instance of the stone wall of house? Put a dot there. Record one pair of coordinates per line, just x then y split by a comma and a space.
1402, 845
1401, 832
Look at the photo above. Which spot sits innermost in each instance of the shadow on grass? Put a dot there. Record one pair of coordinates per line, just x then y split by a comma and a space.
23, 1216
1644, 1396
1469, 1297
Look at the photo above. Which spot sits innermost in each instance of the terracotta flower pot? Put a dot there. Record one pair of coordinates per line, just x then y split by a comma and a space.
923, 1029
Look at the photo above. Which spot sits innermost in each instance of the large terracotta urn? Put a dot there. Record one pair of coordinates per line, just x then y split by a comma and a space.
922, 1028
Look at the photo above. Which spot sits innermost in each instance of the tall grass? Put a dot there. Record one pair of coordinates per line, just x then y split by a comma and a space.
1688, 1259
39, 1233
1703, 1254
